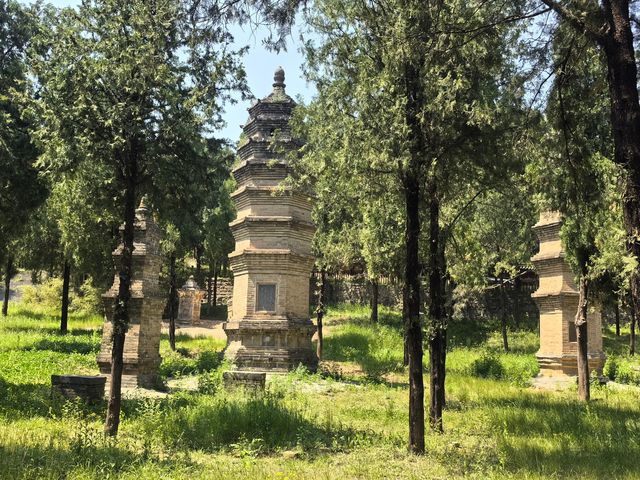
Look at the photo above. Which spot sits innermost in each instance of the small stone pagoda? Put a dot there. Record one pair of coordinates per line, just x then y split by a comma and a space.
190, 303
269, 328
557, 300
142, 340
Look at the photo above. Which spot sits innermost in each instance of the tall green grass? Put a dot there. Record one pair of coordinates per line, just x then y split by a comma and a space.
307, 426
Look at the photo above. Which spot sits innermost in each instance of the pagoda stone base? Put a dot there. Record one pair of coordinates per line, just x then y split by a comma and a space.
141, 346
566, 365
273, 345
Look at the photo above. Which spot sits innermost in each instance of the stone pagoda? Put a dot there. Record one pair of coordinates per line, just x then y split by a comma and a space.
557, 300
190, 303
269, 328
142, 340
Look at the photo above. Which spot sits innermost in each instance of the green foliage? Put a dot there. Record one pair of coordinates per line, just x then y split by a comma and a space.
203, 356
622, 369
303, 425
487, 366
48, 296
20, 188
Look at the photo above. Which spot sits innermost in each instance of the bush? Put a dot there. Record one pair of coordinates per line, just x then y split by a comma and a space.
210, 382
48, 295
610, 368
488, 366
88, 299
622, 370
180, 362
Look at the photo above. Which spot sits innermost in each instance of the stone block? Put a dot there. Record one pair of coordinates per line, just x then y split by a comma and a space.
88, 388
244, 379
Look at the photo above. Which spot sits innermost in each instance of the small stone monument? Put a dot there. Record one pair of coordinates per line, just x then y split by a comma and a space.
269, 328
142, 340
191, 296
86, 387
557, 300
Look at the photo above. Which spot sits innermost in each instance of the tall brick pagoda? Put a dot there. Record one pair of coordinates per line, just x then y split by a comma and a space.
557, 300
269, 328
142, 340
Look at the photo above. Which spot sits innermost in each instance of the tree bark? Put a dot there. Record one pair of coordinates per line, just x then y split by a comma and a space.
173, 293
582, 339
199, 264
210, 283
616, 39
610, 27
121, 309
8, 272
215, 283
625, 119
320, 311
64, 314
437, 312
374, 301
411, 290
632, 336
617, 306
503, 315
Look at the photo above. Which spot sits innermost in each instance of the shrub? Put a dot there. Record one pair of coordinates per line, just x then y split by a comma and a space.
210, 382
488, 366
180, 362
88, 299
610, 368
48, 295
622, 370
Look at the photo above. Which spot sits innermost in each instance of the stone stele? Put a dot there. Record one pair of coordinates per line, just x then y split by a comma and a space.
269, 328
557, 300
142, 340
190, 296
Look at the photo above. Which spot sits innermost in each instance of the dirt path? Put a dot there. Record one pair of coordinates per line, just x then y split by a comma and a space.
206, 328
19, 280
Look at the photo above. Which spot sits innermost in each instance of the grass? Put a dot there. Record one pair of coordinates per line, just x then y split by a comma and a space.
304, 425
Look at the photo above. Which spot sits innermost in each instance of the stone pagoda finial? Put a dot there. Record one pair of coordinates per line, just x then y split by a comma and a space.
278, 78
142, 208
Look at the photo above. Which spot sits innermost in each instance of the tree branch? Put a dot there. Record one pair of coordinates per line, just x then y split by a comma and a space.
576, 19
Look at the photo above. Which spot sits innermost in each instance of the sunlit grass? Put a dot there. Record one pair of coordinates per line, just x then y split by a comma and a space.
307, 426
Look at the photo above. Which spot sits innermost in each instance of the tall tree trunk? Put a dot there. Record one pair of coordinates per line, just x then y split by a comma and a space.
374, 301
121, 309
173, 293
64, 314
437, 312
8, 272
617, 306
622, 73
503, 315
582, 338
209, 283
622, 76
411, 291
199, 264
632, 326
320, 311
215, 283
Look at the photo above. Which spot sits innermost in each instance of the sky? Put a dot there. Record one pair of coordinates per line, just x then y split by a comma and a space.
260, 64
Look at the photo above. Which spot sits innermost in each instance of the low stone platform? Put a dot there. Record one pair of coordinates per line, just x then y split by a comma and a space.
252, 380
87, 388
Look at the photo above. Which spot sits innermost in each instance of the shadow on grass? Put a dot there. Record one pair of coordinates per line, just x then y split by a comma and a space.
74, 332
90, 452
358, 348
62, 344
613, 344
566, 438
247, 424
